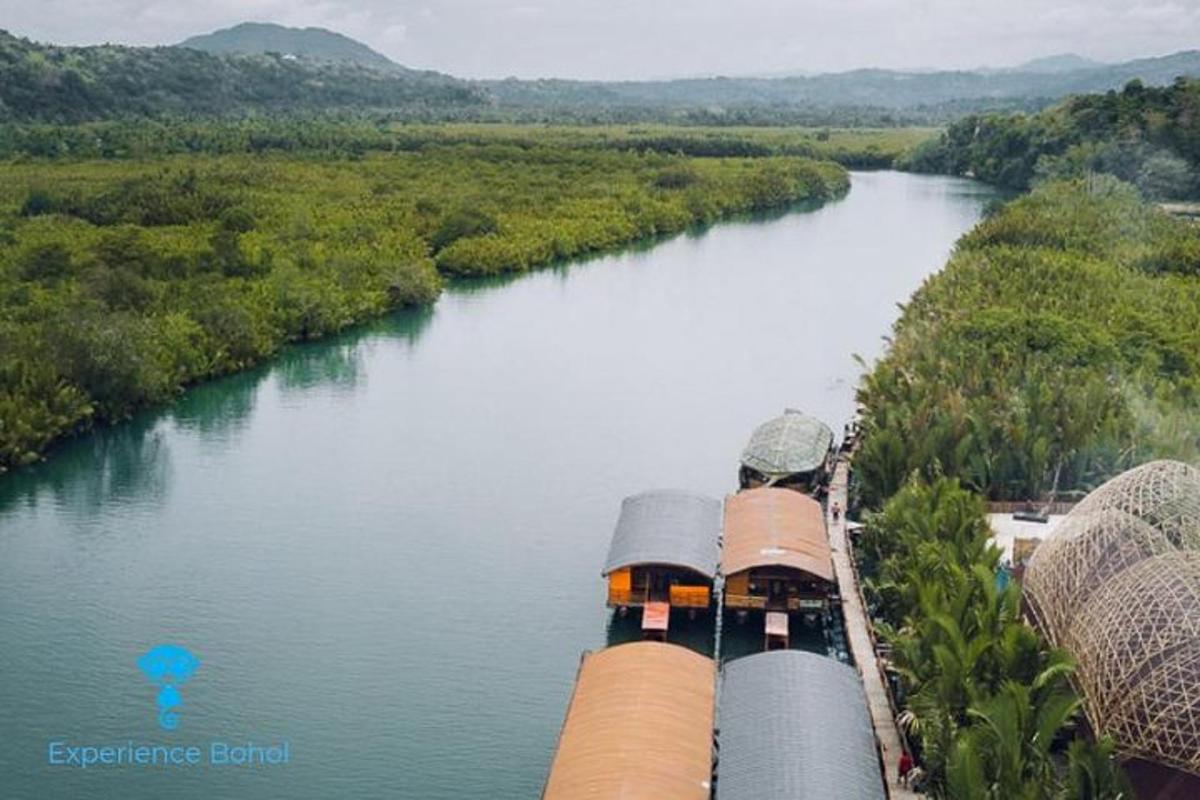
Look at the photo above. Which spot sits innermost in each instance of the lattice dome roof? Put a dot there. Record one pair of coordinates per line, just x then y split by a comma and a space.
1118, 586
1166, 494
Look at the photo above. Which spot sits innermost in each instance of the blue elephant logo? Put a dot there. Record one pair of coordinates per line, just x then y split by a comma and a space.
168, 666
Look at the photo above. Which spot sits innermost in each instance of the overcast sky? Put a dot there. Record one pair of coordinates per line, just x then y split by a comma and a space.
655, 38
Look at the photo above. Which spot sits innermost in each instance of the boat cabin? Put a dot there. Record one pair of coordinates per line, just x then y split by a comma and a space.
663, 556
776, 555
792, 451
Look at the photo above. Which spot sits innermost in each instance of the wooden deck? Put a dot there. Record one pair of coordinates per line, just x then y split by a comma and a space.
861, 638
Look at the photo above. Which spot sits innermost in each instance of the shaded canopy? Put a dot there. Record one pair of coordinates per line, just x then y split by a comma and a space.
775, 527
795, 725
790, 444
639, 726
1117, 585
667, 527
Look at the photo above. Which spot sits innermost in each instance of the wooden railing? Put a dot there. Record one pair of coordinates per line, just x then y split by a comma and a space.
1039, 506
745, 601
690, 597
626, 597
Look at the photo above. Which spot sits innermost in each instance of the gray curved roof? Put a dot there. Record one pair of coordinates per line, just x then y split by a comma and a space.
787, 445
795, 725
667, 527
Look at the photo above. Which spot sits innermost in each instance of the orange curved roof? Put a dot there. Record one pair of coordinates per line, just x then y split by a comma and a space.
775, 528
639, 726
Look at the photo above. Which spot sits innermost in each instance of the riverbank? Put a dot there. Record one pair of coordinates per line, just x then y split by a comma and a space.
121, 282
1057, 348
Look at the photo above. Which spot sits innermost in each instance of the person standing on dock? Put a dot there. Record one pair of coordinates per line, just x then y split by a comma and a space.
906, 767
836, 510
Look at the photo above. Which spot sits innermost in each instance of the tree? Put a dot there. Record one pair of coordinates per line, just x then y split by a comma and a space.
48, 262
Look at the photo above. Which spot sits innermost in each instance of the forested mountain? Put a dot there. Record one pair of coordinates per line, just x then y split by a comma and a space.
71, 84
1033, 87
1145, 135
260, 68
318, 44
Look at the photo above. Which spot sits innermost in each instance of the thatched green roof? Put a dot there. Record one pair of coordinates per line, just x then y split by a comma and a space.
788, 445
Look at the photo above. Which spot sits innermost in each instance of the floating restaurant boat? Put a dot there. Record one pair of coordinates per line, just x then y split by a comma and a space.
792, 726
792, 451
776, 558
644, 717
663, 556
639, 726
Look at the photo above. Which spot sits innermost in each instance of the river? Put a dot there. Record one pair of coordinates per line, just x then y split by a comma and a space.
385, 548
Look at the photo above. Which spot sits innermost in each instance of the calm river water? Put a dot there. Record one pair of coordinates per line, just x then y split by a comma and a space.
385, 548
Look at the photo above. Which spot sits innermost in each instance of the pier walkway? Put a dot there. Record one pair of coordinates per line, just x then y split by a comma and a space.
861, 638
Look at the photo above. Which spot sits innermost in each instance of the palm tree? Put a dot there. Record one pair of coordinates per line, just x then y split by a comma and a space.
1093, 773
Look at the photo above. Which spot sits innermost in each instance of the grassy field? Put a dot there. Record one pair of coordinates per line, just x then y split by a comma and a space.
852, 147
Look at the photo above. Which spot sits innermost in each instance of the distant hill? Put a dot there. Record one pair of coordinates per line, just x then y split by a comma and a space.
71, 84
1065, 62
317, 44
266, 68
955, 91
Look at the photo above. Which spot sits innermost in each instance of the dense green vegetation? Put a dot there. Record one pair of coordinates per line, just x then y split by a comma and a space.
123, 280
987, 706
330, 136
1059, 346
1144, 135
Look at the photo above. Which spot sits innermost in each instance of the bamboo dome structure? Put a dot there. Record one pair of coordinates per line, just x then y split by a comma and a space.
1117, 585
1165, 494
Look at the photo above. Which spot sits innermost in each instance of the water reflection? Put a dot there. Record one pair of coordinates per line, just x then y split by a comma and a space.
132, 460
219, 410
562, 270
337, 366
123, 463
